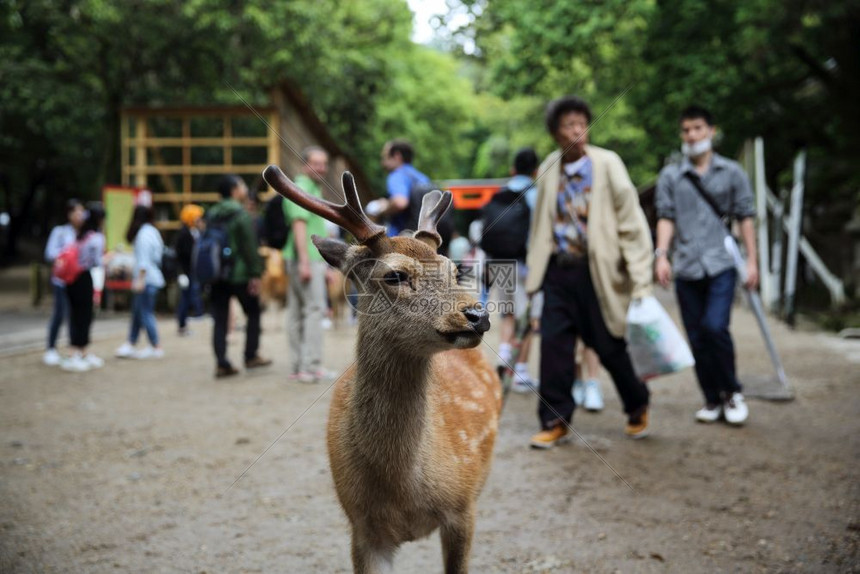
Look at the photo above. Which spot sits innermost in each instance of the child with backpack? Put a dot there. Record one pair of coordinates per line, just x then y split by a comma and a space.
62, 236
73, 267
147, 280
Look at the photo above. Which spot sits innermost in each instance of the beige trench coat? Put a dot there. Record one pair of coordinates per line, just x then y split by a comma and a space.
620, 251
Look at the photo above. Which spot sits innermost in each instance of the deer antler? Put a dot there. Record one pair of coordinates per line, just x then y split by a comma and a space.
433, 206
350, 216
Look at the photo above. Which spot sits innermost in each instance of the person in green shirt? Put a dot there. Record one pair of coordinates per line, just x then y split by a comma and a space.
244, 280
306, 270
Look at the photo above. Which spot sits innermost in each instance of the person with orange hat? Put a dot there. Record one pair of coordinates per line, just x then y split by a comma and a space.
189, 288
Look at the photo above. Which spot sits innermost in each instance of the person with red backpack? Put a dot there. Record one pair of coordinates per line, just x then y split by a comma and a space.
74, 269
61, 237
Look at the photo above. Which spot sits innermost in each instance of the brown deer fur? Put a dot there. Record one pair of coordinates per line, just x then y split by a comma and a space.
413, 422
411, 429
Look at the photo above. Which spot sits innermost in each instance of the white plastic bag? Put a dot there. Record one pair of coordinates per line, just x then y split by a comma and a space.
655, 344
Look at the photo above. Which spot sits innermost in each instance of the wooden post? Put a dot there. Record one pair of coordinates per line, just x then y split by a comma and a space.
186, 159
140, 159
796, 222
123, 149
228, 140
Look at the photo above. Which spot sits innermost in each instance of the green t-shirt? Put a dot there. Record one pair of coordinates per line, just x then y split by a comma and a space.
315, 223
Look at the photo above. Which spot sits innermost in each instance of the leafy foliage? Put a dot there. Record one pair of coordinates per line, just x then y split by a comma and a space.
789, 71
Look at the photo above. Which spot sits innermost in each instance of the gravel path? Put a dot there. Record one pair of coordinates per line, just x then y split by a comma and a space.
134, 468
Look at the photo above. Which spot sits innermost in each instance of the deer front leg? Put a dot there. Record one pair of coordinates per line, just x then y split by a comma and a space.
457, 542
369, 560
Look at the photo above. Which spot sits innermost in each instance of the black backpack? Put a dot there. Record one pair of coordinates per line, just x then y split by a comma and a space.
445, 227
506, 218
276, 230
212, 259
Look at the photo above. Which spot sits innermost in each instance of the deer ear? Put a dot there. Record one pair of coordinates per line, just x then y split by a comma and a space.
332, 250
434, 204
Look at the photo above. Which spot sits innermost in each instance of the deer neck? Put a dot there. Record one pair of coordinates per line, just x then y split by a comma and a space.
390, 400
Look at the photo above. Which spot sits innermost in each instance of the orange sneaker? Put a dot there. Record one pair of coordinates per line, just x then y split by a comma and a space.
637, 423
550, 437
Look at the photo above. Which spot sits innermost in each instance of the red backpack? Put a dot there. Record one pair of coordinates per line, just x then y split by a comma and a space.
67, 265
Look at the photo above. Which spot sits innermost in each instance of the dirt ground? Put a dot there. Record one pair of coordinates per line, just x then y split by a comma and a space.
157, 467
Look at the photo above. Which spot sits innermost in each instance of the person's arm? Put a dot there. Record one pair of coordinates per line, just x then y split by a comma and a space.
399, 185
748, 235
634, 236
184, 248
538, 217
300, 240
142, 253
246, 244
53, 247
96, 244
663, 268
743, 209
665, 204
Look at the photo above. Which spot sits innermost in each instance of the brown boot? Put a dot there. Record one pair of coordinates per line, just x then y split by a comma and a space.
257, 362
224, 372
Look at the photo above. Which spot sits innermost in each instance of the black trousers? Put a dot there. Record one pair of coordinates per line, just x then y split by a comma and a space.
80, 294
220, 302
571, 310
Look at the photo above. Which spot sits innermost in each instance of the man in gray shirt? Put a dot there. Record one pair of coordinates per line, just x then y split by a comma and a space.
704, 270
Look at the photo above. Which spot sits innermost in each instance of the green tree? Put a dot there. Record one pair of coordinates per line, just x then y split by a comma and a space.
67, 67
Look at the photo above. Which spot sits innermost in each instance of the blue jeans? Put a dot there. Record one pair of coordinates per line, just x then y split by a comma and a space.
58, 315
706, 307
143, 315
189, 300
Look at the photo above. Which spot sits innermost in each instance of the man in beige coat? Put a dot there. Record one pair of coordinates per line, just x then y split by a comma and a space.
590, 251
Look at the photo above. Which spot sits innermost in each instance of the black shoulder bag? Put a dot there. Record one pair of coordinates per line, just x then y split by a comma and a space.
731, 246
726, 218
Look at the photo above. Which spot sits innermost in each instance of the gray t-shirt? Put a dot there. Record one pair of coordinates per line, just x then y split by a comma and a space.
698, 248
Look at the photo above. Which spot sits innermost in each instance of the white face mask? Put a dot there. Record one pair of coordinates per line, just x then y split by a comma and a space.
697, 149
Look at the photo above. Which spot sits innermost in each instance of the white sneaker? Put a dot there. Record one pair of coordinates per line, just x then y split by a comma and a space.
578, 392
94, 361
522, 383
149, 353
709, 413
52, 358
593, 400
735, 410
75, 364
126, 351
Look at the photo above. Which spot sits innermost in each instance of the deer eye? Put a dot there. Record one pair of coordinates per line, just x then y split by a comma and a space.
396, 277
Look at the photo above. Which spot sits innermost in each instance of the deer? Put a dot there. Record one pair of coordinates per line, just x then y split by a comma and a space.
413, 422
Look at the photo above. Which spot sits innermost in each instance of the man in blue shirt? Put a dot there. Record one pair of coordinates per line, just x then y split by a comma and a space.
397, 160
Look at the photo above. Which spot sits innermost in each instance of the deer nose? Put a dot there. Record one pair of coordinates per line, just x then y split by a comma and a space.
478, 319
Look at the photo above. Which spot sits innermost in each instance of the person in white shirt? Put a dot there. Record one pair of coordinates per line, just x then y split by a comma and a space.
61, 237
147, 280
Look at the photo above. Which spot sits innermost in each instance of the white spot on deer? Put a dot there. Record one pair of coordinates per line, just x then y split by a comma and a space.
470, 406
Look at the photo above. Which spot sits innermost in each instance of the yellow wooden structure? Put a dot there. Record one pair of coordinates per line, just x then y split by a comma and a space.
180, 153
